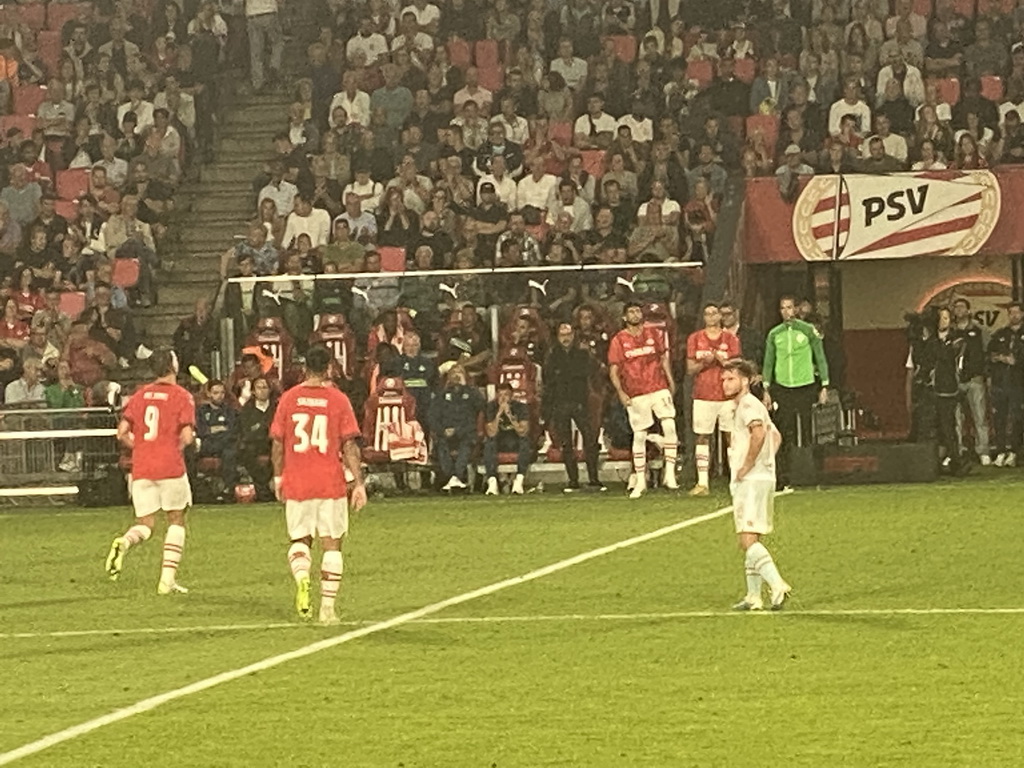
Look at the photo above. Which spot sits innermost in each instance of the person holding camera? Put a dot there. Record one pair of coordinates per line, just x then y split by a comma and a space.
506, 429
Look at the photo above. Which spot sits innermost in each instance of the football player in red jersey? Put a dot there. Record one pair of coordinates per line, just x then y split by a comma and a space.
313, 426
157, 424
707, 350
641, 372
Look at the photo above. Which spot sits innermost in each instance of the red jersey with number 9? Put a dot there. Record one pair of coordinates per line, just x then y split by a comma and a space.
157, 413
313, 423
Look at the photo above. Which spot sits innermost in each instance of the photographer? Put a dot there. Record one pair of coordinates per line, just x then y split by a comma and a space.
507, 426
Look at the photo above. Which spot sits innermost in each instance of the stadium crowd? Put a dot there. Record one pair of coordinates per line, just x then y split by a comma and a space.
455, 136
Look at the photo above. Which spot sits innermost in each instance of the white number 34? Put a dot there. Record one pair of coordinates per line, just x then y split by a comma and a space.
310, 431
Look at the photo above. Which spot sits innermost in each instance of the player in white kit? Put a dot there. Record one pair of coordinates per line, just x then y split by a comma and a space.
755, 442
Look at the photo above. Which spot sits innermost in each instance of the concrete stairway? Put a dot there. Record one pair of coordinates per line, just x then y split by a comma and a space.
213, 210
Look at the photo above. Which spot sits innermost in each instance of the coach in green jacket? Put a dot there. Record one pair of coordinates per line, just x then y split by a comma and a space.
793, 352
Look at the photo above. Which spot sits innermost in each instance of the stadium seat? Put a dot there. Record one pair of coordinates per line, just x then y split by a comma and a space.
66, 208
561, 133
703, 72
659, 315
516, 369
270, 336
593, 162
27, 98
964, 8
767, 125
745, 70
486, 54
73, 183
25, 123
126, 273
992, 87
491, 78
392, 259
1003, 6
59, 14
334, 333
208, 465
48, 42
32, 15
923, 7
625, 48
72, 303
459, 53
386, 413
949, 89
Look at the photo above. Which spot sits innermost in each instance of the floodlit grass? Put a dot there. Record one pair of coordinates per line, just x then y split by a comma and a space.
630, 659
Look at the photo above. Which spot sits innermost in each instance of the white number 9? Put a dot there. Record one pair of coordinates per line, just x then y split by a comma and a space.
151, 417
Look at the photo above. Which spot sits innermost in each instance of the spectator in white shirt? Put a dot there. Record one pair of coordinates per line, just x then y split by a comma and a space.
908, 74
572, 68
567, 201
517, 128
137, 103
281, 192
850, 104
596, 128
28, 388
905, 10
473, 92
427, 15
640, 126
368, 48
895, 145
366, 189
412, 40
305, 219
670, 209
355, 102
535, 189
504, 186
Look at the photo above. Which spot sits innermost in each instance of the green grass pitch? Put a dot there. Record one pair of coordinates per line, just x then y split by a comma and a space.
630, 659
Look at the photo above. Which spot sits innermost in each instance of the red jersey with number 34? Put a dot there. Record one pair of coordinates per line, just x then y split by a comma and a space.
157, 413
639, 360
313, 423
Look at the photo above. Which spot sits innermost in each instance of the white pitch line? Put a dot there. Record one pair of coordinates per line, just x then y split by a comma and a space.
551, 618
147, 705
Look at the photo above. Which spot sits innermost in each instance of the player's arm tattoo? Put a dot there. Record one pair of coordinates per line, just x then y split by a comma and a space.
277, 457
352, 455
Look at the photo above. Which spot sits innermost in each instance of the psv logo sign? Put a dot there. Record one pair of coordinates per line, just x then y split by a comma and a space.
898, 216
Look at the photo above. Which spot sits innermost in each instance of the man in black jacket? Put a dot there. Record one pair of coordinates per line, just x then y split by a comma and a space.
453, 427
567, 389
972, 379
1006, 370
254, 438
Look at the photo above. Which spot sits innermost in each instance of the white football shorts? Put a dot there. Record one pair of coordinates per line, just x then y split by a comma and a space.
151, 496
753, 504
707, 413
316, 517
643, 409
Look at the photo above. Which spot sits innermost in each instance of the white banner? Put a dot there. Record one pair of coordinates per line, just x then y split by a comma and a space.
895, 216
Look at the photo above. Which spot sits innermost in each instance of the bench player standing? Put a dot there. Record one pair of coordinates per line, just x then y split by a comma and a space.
157, 424
752, 449
315, 423
707, 350
641, 372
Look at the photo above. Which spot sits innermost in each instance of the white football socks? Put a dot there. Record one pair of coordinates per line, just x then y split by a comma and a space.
702, 455
299, 560
174, 544
760, 561
331, 567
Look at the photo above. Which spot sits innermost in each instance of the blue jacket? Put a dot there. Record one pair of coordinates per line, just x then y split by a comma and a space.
216, 425
456, 408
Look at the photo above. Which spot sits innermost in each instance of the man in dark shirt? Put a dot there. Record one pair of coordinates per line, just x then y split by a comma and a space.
728, 95
567, 373
507, 430
216, 433
453, 420
419, 374
1013, 139
491, 218
1006, 368
943, 57
254, 422
972, 379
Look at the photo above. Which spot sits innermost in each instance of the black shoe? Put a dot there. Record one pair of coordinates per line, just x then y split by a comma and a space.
571, 488
597, 485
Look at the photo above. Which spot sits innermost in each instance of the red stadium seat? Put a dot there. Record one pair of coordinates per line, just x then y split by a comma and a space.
269, 335
72, 303
949, 89
208, 465
59, 14
32, 15
625, 48
126, 273
73, 183
491, 78
25, 123
27, 98
48, 42
923, 7
561, 132
516, 369
66, 208
459, 53
703, 72
387, 412
1002, 6
745, 70
392, 259
992, 87
334, 333
964, 8
767, 125
593, 162
486, 54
